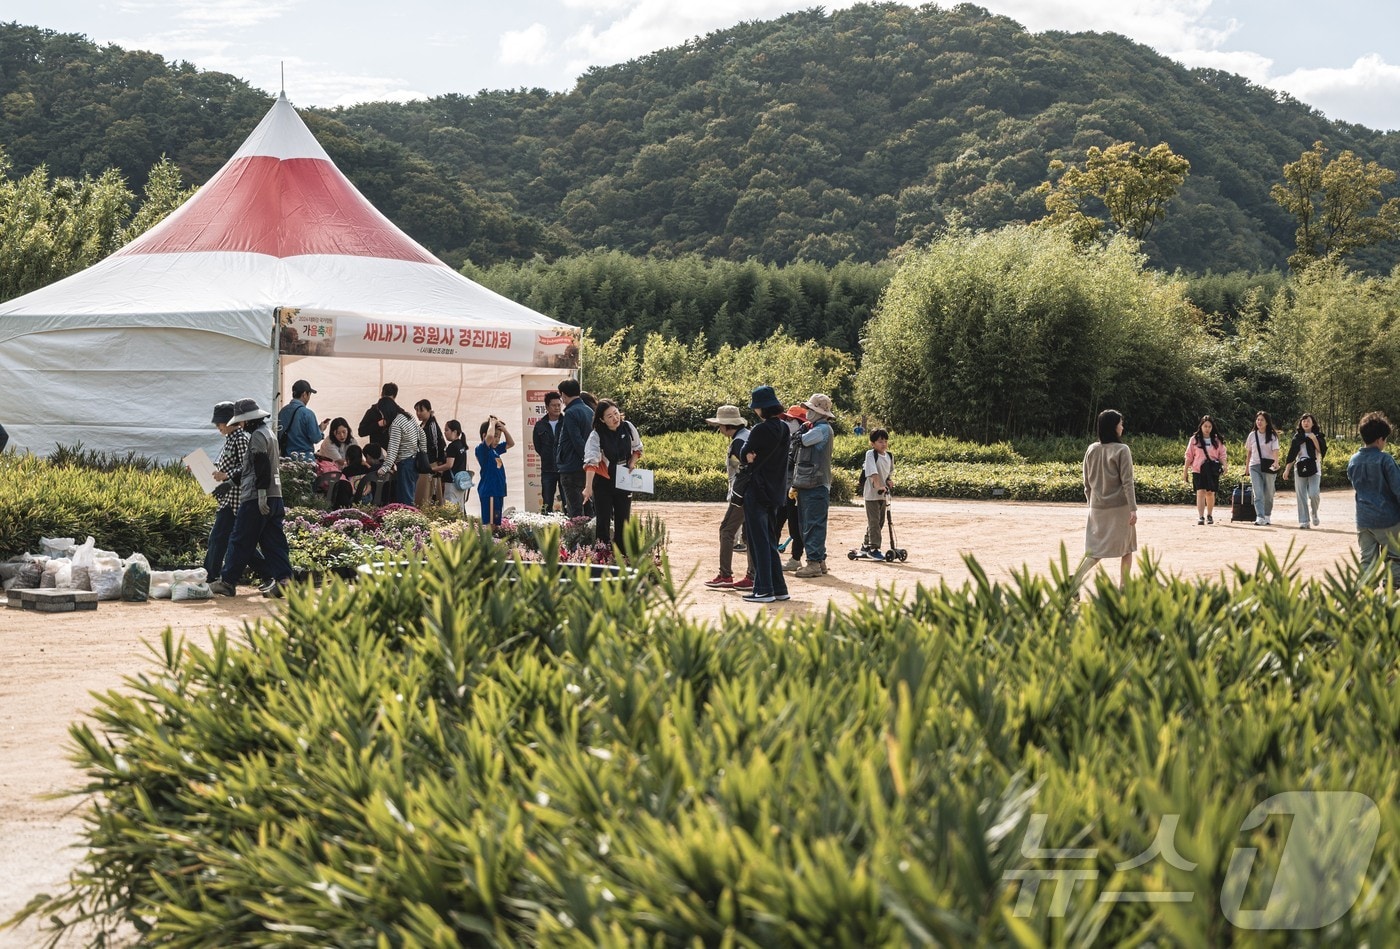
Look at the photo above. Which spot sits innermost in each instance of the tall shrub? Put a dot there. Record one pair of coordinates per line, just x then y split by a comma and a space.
1020, 331
1338, 334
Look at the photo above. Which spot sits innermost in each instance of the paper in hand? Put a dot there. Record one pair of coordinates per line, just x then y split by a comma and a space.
202, 468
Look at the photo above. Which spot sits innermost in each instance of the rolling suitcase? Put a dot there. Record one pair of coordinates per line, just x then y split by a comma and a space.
1242, 503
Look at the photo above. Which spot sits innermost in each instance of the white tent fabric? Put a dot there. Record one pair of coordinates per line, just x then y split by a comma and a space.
130, 354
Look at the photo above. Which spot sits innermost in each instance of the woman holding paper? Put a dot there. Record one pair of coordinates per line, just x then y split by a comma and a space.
613, 446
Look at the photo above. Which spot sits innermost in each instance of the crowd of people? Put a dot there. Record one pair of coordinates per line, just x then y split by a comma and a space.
779, 472
1109, 488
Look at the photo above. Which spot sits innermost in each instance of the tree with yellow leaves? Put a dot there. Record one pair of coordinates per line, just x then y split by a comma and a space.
1133, 185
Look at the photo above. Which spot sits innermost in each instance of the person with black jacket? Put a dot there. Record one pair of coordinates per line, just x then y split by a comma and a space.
545, 435
573, 436
767, 455
379, 416
1304, 460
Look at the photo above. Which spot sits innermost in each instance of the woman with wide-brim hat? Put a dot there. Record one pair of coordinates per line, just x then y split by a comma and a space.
730, 422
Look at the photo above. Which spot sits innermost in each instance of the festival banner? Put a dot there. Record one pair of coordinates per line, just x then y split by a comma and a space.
306, 332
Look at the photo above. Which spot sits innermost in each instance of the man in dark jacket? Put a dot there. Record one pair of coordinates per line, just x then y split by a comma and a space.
546, 439
573, 434
379, 416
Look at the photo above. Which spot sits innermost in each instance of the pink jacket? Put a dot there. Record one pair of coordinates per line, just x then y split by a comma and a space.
1194, 454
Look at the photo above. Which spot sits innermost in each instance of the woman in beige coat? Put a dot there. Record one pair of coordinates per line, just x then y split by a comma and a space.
1108, 487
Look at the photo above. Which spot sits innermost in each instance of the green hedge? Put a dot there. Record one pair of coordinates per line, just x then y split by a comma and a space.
689, 467
161, 513
440, 757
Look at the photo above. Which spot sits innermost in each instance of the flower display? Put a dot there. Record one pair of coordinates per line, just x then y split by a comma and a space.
343, 539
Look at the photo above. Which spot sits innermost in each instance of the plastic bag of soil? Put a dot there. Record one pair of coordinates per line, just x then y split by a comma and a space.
58, 575
31, 573
56, 546
136, 579
190, 591
106, 576
83, 558
161, 582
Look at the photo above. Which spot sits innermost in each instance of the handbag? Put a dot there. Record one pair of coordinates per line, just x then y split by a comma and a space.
1266, 465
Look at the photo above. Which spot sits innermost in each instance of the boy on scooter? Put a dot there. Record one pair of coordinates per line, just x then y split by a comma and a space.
878, 468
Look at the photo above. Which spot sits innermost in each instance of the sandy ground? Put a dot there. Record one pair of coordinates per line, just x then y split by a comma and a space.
51, 663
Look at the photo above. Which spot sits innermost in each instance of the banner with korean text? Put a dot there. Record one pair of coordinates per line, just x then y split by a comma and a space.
306, 332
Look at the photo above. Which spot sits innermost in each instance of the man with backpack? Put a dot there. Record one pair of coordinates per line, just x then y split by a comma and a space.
298, 434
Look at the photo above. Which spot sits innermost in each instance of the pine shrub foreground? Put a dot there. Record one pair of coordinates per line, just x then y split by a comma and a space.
440, 756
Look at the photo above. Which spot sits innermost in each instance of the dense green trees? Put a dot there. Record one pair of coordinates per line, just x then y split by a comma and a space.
827, 137
994, 335
1339, 335
52, 227
667, 385
726, 302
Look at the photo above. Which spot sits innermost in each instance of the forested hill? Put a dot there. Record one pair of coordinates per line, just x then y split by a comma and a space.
825, 136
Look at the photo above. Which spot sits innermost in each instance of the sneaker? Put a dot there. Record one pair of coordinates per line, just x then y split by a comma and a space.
222, 588
1305, 526
782, 596
758, 598
1316, 522
721, 582
875, 555
743, 585
1268, 522
274, 590
1258, 522
794, 564
740, 546
814, 568
1200, 522
1210, 519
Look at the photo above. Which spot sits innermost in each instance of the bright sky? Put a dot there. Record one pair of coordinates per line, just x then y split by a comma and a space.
1341, 57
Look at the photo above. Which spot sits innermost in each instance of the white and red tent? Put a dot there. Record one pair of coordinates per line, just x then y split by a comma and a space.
275, 270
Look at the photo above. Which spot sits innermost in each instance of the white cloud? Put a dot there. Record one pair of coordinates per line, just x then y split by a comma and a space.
1254, 67
1165, 25
649, 25
527, 47
1364, 92
230, 14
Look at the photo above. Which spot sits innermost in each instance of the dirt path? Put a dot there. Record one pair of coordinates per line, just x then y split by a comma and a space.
49, 663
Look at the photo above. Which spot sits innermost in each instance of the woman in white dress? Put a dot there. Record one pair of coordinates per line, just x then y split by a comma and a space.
1108, 487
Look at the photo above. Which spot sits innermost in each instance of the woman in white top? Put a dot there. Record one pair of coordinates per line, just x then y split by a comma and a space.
1261, 460
613, 445
338, 438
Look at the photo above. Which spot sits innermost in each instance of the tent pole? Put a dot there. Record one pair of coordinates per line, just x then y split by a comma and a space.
276, 359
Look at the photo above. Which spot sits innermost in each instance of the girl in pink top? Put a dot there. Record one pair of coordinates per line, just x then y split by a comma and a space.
1205, 463
1261, 459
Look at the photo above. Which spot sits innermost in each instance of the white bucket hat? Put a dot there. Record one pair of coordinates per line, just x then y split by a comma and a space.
728, 415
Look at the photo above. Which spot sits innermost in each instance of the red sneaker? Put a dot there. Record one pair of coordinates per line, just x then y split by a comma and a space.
721, 582
743, 585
